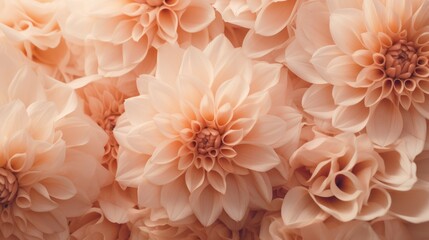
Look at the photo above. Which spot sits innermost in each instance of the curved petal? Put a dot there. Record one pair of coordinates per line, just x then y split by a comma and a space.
351, 118
385, 124
206, 204
299, 209
274, 17
235, 201
259, 158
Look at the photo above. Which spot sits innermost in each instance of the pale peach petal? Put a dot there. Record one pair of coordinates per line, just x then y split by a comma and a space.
351, 118
312, 37
206, 204
346, 25
273, 17
174, 200
196, 17
347, 96
256, 46
299, 62
318, 101
257, 158
299, 209
385, 124
235, 201
412, 205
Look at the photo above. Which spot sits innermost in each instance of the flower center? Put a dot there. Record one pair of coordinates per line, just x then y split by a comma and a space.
208, 141
8, 187
401, 60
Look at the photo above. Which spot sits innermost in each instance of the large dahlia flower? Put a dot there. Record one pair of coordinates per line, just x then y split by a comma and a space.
49, 151
202, 134
368, 61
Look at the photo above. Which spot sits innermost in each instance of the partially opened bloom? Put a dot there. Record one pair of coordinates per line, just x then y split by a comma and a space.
201, 135
335, 176
124, 32
49, 151
368, 61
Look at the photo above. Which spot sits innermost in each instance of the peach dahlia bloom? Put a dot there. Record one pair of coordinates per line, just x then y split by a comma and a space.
270, 24
368, 61
124, 31
201, 135
49, 151
335, 176
32, 26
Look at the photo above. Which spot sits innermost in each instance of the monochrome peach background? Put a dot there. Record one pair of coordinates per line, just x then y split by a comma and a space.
214, 119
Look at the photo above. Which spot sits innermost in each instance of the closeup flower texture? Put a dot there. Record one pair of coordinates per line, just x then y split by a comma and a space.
32, 26
49, 151
202, 134
367, 62
270, 25
124, 32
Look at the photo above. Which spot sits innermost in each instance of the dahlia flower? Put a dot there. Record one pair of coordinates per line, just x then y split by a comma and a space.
368, 63
202, 134
335, 176
49, 151
123, 32
104, 103
269, 22
32, 26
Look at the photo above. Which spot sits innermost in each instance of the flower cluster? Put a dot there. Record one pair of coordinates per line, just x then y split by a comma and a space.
214, 119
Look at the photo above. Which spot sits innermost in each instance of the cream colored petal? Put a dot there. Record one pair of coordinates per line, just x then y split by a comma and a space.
385, 123
299, 209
